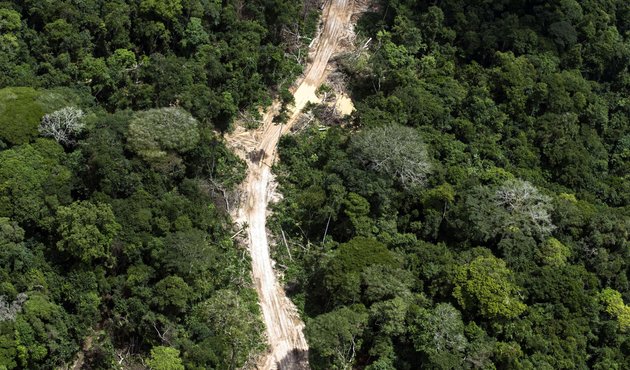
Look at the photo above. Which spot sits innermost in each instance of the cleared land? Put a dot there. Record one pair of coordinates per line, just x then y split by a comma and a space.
288, 347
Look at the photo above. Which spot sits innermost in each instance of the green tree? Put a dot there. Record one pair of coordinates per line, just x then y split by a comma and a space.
172, 291
189, 253
167, 9
33, 182
195, 34
342, 279
231, 325
357, 209
10, 20
485, 285
86, 230
336, 337
439, 334
553, 253
165, 358
10, 23
614, 306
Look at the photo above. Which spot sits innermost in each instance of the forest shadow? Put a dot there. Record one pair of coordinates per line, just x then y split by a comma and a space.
297, 359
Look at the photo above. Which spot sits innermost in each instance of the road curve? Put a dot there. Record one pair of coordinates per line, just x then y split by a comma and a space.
284, 329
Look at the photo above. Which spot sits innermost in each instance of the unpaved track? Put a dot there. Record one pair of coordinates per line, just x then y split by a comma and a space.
288, 347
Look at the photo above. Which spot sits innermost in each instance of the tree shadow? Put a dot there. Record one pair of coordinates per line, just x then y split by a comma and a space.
297, 359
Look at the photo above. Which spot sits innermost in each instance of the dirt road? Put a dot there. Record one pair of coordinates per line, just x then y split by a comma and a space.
288, 346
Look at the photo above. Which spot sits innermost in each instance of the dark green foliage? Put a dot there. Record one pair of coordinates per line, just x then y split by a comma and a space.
22, 108
119, 243
334, 337
106, 247
342, 275
499, 260
475, 213
210, 57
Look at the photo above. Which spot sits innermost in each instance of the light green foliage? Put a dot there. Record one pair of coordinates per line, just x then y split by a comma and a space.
389, 316
615, 307
553, 253
165, 358
120, 59
155, 133
357, 209
86, 230
41, 331
485, 285
10, 232
9, 20
10, 24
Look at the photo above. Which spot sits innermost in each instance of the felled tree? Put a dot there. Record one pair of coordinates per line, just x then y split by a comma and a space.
156, 133
395, 151
63, 125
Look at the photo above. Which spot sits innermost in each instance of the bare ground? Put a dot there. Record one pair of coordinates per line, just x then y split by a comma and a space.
284, 329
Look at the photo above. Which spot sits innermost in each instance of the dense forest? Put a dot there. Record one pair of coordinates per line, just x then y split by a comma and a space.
115, 248
474, 212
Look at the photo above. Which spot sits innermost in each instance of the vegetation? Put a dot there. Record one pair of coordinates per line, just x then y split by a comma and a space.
114, 237
475, 212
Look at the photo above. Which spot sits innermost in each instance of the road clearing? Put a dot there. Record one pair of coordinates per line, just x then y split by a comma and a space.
284, 328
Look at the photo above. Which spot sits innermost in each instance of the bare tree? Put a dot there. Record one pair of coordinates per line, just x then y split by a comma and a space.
63, 125
393, 150
527, 206
9, 311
